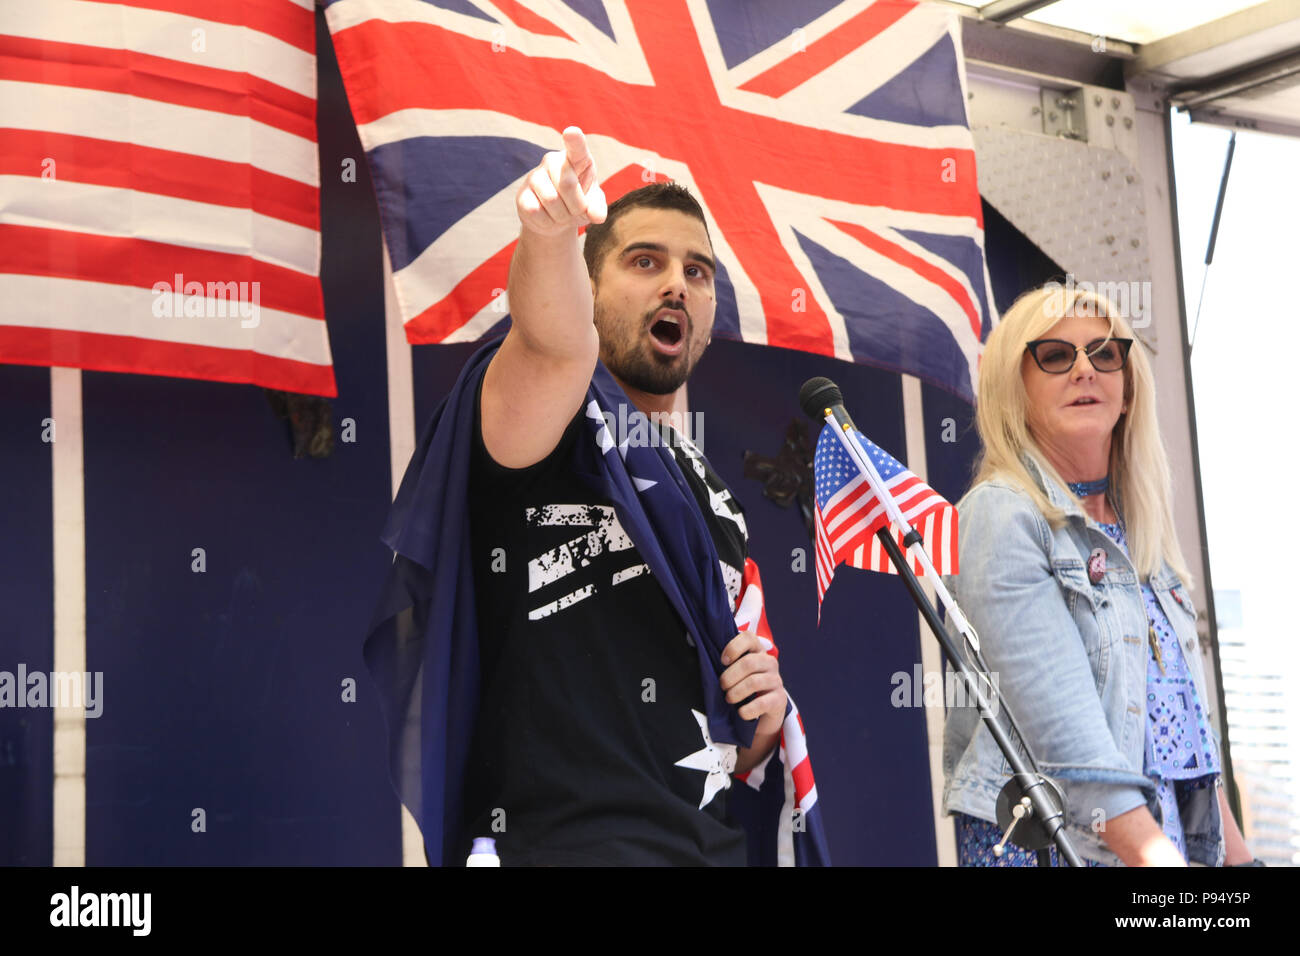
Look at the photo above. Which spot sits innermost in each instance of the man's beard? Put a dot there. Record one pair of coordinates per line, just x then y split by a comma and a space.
633, 361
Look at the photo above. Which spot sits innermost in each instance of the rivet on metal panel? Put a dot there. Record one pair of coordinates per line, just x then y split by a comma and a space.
1114, 101
1128, 122
1129, 178
1110, 120
1110, 240
1134, 243
1105, 174
1096, 100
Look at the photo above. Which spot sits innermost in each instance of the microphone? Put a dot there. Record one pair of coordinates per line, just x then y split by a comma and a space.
821, 394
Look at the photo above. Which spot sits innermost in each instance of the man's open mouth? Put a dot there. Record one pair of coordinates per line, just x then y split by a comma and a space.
669, 331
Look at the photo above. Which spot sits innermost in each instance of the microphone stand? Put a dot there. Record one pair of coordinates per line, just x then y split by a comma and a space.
1029, 800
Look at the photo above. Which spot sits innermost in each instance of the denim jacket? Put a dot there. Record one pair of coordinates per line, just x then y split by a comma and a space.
1070, 659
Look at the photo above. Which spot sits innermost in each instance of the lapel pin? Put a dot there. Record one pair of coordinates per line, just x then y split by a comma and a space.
1097, 565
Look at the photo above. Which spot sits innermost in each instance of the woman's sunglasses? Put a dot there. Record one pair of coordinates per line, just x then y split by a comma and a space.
1056, 356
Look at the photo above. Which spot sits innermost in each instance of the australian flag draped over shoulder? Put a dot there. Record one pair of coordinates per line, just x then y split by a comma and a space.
826, 140
422, 650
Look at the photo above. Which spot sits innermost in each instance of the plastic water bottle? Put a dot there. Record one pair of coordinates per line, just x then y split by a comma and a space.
483, 853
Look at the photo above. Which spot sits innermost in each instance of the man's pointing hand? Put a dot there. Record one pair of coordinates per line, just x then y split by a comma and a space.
562, 193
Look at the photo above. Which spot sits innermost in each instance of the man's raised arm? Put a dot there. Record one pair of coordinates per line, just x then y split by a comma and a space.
538, 377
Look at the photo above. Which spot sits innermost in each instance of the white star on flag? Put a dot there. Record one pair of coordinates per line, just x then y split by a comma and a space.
717, 760
606, 441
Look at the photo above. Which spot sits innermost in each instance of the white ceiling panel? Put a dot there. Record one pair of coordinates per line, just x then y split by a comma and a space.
1136, 21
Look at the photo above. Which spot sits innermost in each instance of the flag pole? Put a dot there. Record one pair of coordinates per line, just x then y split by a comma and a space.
1030, 800
911, 537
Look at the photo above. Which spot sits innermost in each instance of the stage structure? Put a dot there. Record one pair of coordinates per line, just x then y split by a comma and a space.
166, 538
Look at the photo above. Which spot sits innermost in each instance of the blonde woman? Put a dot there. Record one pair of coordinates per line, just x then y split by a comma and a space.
1072, 575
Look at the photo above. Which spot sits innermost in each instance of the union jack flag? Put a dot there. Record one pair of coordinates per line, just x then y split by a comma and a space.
826, 141
848, 513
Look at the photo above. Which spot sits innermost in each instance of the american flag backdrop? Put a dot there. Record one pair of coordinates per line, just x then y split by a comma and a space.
159, 190
848, 513
827, 142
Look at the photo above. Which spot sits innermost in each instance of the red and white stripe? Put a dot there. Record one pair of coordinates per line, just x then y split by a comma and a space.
824, 555
750, 612
938, 537
148, 139
854, 513
751, 616
846, 532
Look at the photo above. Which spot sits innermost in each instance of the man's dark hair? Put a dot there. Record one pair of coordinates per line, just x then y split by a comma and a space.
600, 236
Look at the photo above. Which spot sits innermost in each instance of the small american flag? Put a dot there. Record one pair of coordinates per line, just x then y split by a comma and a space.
848, 513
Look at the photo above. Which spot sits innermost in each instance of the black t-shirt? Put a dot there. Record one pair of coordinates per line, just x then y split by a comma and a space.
591, 745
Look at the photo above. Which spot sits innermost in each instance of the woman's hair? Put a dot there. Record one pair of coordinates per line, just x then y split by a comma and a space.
1139, 468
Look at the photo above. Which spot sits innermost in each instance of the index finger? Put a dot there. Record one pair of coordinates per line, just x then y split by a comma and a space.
577, 153
740, 645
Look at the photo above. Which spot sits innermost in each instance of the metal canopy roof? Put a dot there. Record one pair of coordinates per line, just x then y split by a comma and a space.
1136, 21
1230, 62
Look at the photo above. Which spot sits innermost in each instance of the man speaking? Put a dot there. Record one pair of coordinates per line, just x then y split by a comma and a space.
557, 649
